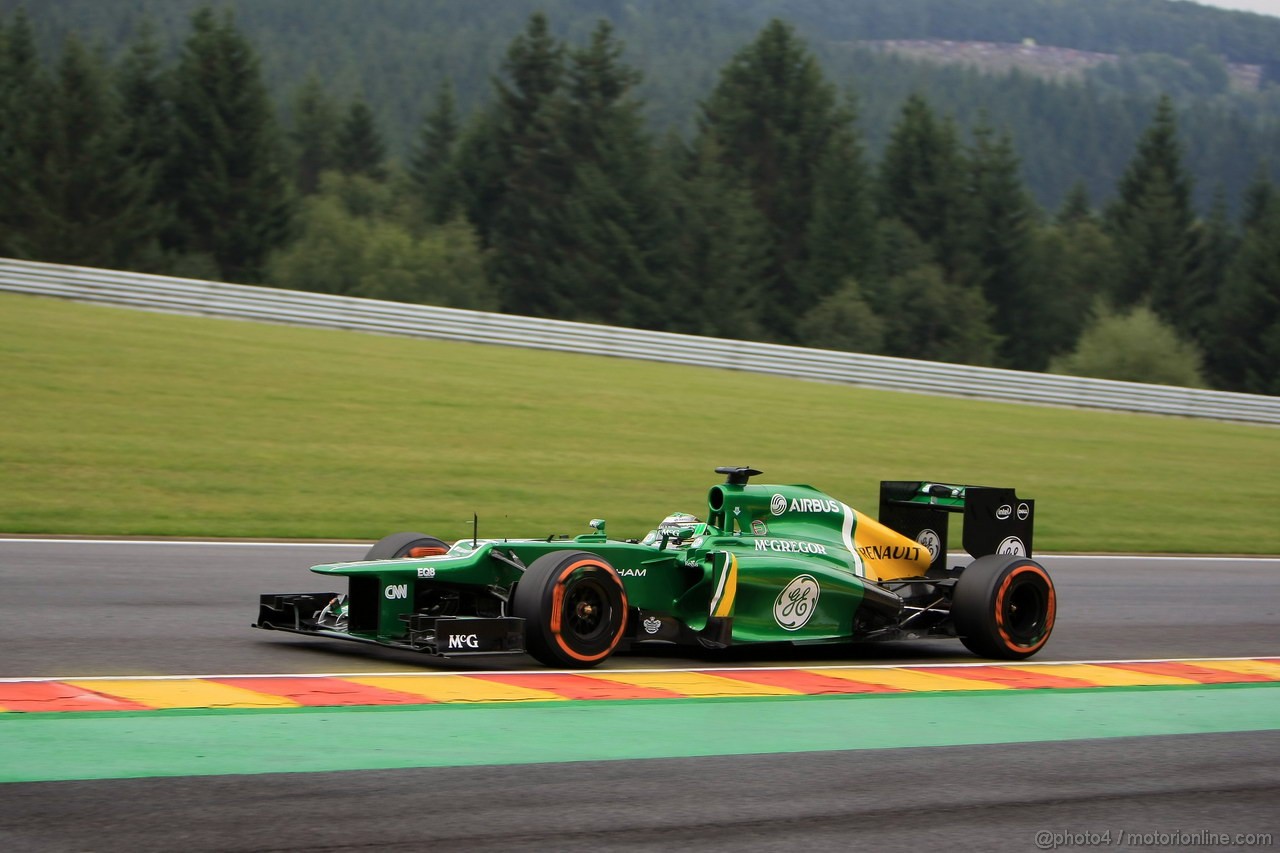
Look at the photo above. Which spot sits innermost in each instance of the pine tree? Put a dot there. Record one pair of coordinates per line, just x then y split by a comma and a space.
24, 95
1075, 269
900, 251
1076, 207
779, 124
1247, 328
617, 263
87, 203
922, 182
841, 238
1260, 195
525, 224
313, 136
432, 170
720, 246
359, 149
226, 170
1151, 221
146, 108
145, 98
1213, 245
998, 239
534, 67
931, 318
480, 160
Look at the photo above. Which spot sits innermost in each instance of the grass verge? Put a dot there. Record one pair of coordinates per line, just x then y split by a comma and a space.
126, 422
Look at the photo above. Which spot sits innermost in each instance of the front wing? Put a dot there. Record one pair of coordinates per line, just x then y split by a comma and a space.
299, 613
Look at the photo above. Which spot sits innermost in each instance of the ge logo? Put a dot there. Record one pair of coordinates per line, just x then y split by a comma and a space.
795, 604
778, 505
931, 542
1012, 546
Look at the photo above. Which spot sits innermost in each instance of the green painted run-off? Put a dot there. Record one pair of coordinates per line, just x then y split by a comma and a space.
44, 747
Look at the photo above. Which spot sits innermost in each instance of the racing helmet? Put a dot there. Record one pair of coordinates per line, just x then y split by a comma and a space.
671, 527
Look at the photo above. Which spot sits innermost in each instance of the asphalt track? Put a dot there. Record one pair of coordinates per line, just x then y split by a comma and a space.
86, 609
125, 608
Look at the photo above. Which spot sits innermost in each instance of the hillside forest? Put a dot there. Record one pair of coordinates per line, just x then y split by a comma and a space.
765, 214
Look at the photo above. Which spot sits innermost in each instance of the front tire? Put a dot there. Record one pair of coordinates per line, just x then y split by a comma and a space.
1004, 607
574, 606
399, 546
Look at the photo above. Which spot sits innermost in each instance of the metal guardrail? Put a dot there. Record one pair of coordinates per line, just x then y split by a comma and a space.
188, 296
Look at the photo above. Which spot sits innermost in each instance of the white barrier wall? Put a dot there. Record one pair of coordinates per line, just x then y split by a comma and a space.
187, 296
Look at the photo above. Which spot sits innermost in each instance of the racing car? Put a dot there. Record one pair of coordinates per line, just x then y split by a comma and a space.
769, 564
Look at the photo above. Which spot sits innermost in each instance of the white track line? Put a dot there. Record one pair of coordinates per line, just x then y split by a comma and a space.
605, 672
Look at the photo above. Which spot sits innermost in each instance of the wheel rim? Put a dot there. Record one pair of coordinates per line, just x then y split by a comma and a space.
1023, 613
586, 609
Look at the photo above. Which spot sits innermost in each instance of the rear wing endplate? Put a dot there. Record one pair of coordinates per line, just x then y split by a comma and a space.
996, 521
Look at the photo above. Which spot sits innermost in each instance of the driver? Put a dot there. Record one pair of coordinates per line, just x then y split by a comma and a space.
671, 527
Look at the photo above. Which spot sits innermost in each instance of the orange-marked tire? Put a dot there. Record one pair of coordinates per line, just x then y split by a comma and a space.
398, 546
574, 606
1004, 607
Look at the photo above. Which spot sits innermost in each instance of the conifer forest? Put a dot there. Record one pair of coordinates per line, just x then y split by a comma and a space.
803, 172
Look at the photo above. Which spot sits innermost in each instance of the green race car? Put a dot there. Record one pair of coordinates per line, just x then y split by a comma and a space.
770, 564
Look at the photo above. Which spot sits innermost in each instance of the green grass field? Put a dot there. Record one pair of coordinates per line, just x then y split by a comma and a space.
126, 422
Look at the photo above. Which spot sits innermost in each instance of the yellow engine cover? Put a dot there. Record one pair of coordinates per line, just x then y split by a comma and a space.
886, 554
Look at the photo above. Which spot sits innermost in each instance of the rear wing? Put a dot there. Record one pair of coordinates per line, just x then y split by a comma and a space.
996, 521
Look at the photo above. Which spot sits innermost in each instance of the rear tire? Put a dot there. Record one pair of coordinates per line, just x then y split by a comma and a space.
398, 546
574, 606
1004, 607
